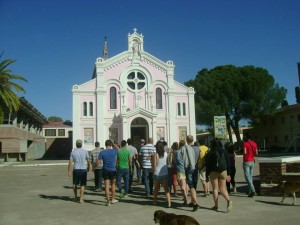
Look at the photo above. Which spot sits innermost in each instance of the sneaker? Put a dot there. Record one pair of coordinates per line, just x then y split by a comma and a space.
125, 196
114, 201
252, 194
215, 208
195, 207
107, 204
229, 206
81, 201
169, 205
121, 195
204, 195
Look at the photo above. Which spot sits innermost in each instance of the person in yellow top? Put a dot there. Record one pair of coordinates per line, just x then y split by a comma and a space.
202, 167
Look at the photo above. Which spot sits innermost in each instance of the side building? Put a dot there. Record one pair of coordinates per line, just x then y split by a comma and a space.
58, 140
21, 135
132, 95
279, 131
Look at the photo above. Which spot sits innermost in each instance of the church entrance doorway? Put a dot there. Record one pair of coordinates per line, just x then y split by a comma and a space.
139, 130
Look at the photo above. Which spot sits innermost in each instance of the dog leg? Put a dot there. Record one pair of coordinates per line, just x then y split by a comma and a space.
283, 198
294, 198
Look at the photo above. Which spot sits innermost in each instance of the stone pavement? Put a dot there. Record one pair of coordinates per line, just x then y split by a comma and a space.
40, 193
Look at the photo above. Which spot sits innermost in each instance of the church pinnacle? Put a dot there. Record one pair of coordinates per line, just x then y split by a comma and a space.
105, 50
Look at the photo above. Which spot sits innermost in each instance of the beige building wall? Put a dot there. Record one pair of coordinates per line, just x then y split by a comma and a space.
280, 130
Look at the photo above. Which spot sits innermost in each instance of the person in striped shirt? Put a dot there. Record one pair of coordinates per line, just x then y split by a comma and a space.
146, 154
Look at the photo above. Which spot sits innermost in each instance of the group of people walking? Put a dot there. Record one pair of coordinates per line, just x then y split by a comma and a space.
162, 166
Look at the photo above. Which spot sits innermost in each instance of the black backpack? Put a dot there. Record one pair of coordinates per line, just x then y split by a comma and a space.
218, 160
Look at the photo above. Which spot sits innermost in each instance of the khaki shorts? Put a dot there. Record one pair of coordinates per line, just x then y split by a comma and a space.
202, 175
181, 176
216, 175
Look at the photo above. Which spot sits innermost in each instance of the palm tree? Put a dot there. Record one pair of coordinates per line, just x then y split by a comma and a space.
9, 100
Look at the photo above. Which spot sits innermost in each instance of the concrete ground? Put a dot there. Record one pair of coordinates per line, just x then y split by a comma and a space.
39, 192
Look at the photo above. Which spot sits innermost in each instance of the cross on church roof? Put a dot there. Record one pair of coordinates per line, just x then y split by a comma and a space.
135, 30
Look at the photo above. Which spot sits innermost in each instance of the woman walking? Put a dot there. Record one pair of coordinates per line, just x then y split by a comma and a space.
160, 175
218, 170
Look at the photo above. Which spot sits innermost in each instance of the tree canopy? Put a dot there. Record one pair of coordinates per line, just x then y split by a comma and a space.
246, 92
9, 100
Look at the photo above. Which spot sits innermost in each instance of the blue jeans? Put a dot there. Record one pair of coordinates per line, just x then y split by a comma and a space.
123, 173
148, 180
248, 172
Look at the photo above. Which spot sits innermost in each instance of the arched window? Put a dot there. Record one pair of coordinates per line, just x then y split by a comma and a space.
183, 109
113, 98
178, 109
84, 109
158, 98
91, 109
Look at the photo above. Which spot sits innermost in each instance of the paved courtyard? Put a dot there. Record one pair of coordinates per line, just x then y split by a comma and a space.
40, 193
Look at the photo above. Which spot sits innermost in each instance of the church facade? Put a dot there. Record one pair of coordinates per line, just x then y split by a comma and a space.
132, 95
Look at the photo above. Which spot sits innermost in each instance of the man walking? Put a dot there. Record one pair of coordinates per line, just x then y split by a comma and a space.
187, 155
109, 171
139, 166
80, 157
249, 152
98, 170
202, 167
134, 157
147, 151
124, 168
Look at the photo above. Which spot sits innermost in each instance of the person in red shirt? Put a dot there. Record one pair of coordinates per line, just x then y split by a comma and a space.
249, 153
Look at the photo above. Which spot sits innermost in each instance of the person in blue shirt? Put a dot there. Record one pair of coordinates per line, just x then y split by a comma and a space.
109, 170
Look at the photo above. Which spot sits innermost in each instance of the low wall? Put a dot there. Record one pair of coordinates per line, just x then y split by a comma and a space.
276, 169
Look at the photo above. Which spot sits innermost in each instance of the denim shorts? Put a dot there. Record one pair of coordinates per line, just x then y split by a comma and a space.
160, 178
189, 177
79, 177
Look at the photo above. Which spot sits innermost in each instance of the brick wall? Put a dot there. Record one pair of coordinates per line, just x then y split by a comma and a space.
272, 172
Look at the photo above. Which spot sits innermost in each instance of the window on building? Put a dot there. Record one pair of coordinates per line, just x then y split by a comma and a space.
91, 108
178, 109
113, 98
50, 132
183, 109
158, 98
267, 140
136, 81
286, 138
265, 123
61, 132
84, 109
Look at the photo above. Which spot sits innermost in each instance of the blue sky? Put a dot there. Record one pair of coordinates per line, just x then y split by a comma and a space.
57, 42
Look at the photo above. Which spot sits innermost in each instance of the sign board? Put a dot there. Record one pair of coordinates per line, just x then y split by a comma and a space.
220, 127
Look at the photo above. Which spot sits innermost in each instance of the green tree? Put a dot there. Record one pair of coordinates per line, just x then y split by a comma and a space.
55, 119
239, 93
9, 100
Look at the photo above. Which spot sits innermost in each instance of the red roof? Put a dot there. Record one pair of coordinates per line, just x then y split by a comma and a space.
56, 124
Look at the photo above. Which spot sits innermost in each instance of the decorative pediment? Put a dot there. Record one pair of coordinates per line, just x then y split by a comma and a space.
139, 111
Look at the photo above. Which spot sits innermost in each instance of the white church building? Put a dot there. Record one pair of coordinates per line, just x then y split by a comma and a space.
132, 95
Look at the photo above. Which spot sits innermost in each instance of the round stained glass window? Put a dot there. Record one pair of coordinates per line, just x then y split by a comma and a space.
136, 81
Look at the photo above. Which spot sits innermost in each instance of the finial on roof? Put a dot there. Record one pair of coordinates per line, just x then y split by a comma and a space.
135, 30
105, 50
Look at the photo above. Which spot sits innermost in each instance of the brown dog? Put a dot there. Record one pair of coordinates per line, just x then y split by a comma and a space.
164, 218
290, 187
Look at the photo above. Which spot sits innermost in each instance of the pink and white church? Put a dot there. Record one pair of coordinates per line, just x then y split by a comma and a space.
132, 95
